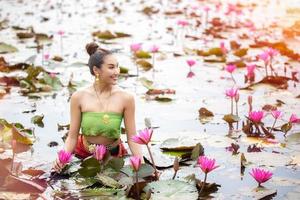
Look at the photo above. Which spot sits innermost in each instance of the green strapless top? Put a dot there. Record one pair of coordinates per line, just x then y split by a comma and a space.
107, 124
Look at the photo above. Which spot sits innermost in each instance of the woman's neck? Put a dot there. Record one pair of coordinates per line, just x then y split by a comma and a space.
103, 88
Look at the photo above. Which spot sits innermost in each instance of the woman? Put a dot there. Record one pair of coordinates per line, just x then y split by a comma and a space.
99, 109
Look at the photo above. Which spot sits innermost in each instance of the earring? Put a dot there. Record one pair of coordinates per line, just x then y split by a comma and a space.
97, 78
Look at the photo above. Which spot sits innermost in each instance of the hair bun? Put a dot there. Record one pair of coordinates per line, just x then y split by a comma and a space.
91, 48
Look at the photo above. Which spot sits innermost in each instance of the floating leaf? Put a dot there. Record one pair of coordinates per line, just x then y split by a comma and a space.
124, 70
241, 52
178, 144
89, 167
38, 120
7, 48
54, 82
146, 83
162, 99
144, 64
286, 127
25, 35
172, 189
197, 151
230, 118
107, 181
145, 171
142, 54
203, 112
116, 163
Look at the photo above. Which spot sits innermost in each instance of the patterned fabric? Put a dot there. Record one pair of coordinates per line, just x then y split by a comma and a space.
82, 152
107, 124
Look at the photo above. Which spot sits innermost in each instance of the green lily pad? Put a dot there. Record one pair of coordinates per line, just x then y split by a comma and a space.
146, 83
7, 48
145, 170
89, 167
108, 181
54, 82
162, 99
172, 189
178, 144
116, 163
142, 54
38, 120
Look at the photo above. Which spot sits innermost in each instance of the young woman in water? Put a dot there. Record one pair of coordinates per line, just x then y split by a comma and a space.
99, 110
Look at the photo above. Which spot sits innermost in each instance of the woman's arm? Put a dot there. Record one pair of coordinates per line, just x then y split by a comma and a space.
129, 121
75, 119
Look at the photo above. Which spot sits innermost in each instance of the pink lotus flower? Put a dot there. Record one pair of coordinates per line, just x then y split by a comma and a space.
100, 152
182, 23
232, 92
190, 74
191, 62
261, 175
154, 48
230, 68
256, 116
223, 48
206, 8
46, 56
250, 69
277, 114
61, 32
272, 52
294, 119
206, 164
135, 47
64, 157
144, 136
135, 162
264, 56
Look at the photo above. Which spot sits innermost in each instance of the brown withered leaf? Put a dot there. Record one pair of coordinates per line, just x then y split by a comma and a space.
9, 81
203, 112
25, 35
269, 107
33, 172
208, 188
57, 58
160, 91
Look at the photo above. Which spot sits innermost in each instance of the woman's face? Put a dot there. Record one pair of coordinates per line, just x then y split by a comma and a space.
109, 71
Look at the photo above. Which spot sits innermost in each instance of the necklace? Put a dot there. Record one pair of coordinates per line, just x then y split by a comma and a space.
105, 118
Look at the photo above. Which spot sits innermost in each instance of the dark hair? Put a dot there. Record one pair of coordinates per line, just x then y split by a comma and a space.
97, 55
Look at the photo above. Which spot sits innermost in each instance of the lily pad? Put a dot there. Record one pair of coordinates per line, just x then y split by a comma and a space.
146, 83
145, 65
178, 144
145, 170
108, 181
7, 48
142, 54
172, 189
89, 167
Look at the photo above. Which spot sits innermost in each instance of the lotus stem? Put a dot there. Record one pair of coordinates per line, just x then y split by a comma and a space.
153, 164
203, 185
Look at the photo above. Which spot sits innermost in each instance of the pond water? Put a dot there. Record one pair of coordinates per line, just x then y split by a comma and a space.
178, 118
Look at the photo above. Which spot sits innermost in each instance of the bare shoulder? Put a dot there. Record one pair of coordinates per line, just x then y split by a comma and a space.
79, 94
125, 95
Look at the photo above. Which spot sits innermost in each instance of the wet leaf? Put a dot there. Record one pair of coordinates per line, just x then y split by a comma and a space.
146, 83
17, 184
160, 91
142, 54
286, 127
54, 82
57, 58
25, 35
107, 181
162, 99
108, 35
178, 144
230, 118
208, 188
38, 120
241, 52
171, 189
215, 60
145, 65
124, 70
89, 167
145, 171
197, 151
33, 172
42, 38
6, 48
9, 81
203, 112
213, 51
116, 163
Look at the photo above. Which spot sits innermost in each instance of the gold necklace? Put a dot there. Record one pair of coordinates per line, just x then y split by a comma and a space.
105, 118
